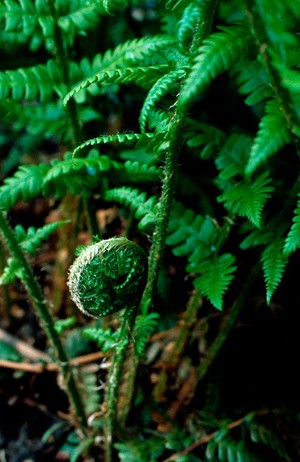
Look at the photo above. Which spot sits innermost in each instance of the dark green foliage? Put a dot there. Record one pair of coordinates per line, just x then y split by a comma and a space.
181, 120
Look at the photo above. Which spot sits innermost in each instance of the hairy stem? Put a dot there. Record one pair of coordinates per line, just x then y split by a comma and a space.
114, 380
36, 295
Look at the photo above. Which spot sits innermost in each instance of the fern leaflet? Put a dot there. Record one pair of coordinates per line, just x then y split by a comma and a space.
32, 239
25, 184
219, 52
144, 327
163, 86
144, 76
274, 264
126, 138
247, 198
30, 83
272, 135
215, 278
292, 241
145, 209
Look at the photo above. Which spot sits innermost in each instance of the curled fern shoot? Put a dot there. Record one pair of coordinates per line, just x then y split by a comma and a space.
108, 276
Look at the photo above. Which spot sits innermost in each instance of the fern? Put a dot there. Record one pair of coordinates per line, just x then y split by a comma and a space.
292, 241
210, 138
188, 23
39, 81
32, 238
144, 327
233, 157
252, 80
274, 264
25, 184
30, 241
161, 87
247, 198
143, 76
144, 209
126, 138
215, 278
272, 135
217, 54
106, 339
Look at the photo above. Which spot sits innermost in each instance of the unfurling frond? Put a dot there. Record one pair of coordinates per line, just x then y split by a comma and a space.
216, 275
247, 199
217, 54
272, 135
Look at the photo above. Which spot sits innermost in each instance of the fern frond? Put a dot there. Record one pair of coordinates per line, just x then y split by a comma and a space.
137, 172
274, 264
292, 242
188, 23
261, 434
272, 135
233, 157
145, 326
126, 138
78, 16
144, 209
217, 273
247, 198
143, 76
25, 184
32, 238
106, 339
30, 83
191, 235
113, 6
253, 80
219, 52
211, 138
76, 175
12, 271
163, 86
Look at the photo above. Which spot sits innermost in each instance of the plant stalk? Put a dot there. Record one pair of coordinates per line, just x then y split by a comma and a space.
36, 295
114, 379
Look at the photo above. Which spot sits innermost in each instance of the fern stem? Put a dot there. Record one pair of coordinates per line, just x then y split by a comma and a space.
114, 380
281, 93
36, 295
228, 324
175, 137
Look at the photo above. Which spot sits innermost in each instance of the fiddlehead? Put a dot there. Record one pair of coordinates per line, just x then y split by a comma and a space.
108, 276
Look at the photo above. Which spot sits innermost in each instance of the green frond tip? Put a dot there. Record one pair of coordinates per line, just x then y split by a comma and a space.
141, 75
219, 52
217, 274
126, 138
247, 199
163, 86
274, 264
272, 135
292, 242
32, 238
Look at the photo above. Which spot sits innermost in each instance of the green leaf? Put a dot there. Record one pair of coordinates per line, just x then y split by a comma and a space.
219, 52
126, 138
247, 198
292, 242
25, 184
274, 264
215, 278
272, 135
32, 239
